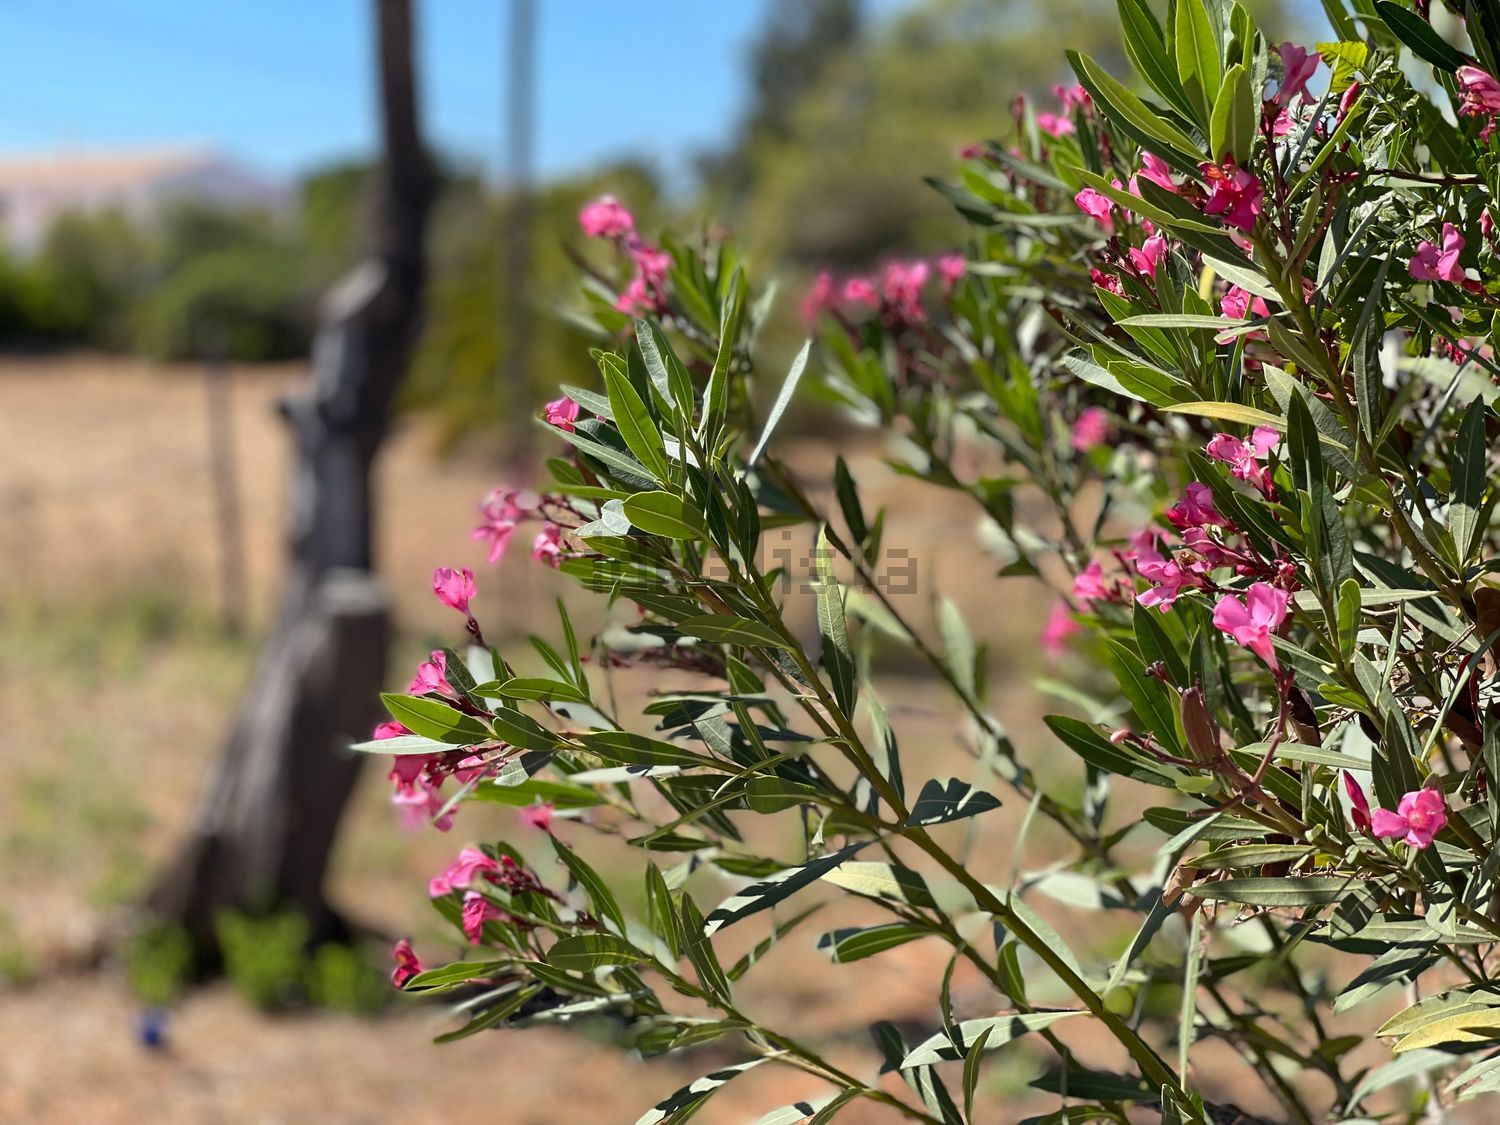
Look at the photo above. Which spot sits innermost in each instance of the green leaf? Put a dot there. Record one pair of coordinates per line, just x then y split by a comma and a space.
634, 420
1229, 412
855, 944
586, 877
1469, 1026
783, 400
729, 630
1080, 1083
962, 659
683, 1103
1348, 613
716, 393
1233, 129
1147, 52
942, 801
768, 892
558, 794
1317, 890
1197, 53
1470, 475
583, 953
1134, 117
662, 513
434, 719
533, 688
401, 745
1001, 1030
837, 658
1417, 34
1185, 1027
1086, 741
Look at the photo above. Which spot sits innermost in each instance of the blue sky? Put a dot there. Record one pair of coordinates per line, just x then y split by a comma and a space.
286, 84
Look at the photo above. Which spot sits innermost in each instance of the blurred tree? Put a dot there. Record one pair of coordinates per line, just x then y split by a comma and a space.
832, 167
265, 828
78, 288
799, 40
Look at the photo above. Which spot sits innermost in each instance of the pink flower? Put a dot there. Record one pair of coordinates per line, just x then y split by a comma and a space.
1107, 281
502, 510
561, 412
1091, 428
1430, 264
1073, 97
636, 298
459, 874
951, 270
387, 730
538, 816
1097, 206
1171, 578
1236, 302
1150, 255
1244, 457
431, 676
1252, 621
419, 800
1346, 103
1297, 66
477, 911
1235, 194
1060, 626
1359, 805
454, 587
653, 263
1418, 818
1158, 171
1283, 124
1487, 225
606, 218
859, 291
547, 547
1479, 91
974, 151
1055, 126
1089, 585
901, 286
1196, 508
407, 965
820, 297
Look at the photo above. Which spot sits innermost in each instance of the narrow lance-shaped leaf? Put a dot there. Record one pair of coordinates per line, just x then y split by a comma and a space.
783, 400
768, 892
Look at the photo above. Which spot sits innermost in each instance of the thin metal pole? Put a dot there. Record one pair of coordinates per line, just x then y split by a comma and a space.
517, 187
221, 463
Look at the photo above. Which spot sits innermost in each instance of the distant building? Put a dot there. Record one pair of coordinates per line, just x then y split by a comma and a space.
36, 189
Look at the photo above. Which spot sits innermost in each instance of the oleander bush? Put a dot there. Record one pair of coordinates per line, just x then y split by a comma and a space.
1215, 372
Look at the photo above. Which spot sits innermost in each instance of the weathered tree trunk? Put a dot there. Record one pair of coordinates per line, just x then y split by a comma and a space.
266, 826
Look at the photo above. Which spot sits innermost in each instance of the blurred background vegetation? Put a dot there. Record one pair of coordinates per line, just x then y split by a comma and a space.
820, 171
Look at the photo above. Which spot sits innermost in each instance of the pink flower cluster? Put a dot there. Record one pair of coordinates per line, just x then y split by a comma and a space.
607, 218
1244, 457
1060, 124
1420, 815
1208, 541
1479, 96
1298, 65
1234, 193
896, 292
1430, 263
1253, 621
472, 871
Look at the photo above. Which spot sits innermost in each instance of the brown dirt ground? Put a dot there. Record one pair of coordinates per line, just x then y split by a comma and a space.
107, 527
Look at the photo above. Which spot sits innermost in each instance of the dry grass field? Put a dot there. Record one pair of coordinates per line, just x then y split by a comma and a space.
116, 681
